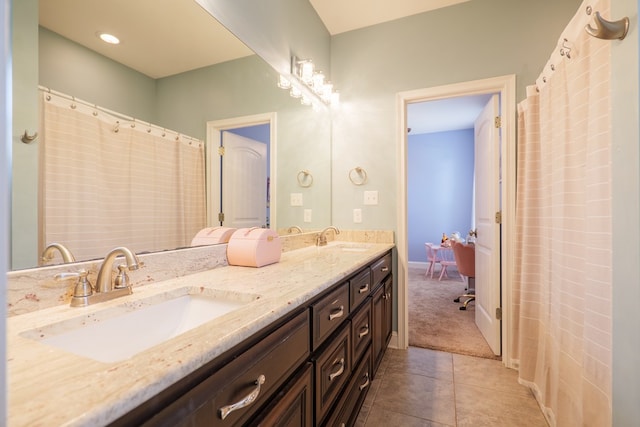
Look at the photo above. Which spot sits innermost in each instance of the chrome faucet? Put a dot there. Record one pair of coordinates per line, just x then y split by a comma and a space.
294, 228
47, 254
104, 283
322, 237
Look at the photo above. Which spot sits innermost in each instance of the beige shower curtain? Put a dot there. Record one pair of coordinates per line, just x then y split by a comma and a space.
563, 278
109, 182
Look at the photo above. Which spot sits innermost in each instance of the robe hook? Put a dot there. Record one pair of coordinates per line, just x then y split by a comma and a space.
608, 30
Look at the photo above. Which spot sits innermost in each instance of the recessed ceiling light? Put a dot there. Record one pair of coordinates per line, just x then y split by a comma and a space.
109, 38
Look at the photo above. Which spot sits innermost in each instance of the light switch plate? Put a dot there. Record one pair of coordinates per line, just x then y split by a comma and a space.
370, 197
307, 215
357, 216
296, 199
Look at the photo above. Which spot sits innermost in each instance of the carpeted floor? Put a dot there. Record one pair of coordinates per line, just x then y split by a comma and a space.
436, 322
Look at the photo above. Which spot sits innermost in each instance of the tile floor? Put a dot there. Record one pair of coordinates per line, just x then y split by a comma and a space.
420, 387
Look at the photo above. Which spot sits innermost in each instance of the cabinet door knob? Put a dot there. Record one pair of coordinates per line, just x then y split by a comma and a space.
366, 382
245, 401
339, 372
337, 313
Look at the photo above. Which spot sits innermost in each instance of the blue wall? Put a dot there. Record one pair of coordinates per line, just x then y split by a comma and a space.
440, 187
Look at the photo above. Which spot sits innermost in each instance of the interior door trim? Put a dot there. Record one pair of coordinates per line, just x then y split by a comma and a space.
506, 87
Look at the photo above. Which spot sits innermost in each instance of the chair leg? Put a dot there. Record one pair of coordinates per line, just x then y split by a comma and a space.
464, 306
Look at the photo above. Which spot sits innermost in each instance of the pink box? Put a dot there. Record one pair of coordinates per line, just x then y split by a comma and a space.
212, 236
254, 247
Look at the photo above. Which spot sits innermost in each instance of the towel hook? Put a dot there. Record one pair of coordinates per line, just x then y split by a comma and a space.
26, 138
608, 30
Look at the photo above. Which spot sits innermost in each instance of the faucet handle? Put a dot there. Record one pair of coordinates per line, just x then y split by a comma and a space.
83, 287
122, 279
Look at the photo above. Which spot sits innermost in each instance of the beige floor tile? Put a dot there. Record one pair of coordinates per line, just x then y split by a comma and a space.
380, 417
487, 373
477, 407
422, 361
418, 396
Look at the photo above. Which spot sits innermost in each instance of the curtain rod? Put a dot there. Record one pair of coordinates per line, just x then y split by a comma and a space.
114, 113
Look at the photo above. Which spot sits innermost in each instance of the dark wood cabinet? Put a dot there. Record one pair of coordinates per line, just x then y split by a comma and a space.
310, 368
293, 405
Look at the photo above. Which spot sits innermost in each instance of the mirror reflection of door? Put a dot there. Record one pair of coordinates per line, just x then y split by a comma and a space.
244, 181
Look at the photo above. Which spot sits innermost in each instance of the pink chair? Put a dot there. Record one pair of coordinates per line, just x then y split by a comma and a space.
447, 259
432, 259
465, 256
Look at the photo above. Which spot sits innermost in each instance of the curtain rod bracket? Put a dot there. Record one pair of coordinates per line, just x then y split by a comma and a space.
27, 139
608, 30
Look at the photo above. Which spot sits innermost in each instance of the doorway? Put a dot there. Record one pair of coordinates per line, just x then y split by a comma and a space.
505, 87
218, 129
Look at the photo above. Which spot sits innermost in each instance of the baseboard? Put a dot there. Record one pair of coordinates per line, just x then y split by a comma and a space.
418, 264
393, 342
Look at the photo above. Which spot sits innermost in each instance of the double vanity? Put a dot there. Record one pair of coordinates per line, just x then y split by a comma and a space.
293, 343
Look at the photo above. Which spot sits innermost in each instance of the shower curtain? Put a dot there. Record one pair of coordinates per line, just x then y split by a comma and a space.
563, 279
107, 182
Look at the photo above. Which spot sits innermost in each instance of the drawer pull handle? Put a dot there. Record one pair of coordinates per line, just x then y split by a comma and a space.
366, 382
338, 372
337, 313
364, 331
363, 289
384, 269
245, 401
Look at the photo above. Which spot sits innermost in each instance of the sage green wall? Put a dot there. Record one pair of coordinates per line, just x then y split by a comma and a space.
245, 87
469, 41
626, 218
24, 203
72, 69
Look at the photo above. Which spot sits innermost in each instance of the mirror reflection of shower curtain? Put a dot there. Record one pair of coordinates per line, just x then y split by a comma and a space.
563, 257
108, 182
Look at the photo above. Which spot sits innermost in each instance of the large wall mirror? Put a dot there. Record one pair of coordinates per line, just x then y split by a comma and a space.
179, 92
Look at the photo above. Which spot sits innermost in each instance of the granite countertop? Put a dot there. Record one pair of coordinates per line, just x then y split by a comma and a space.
48, 386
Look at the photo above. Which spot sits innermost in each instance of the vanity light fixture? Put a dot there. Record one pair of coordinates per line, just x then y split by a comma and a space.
108, 38
308, 84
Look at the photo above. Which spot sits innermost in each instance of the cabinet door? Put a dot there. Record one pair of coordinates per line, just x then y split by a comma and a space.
329, 313
388, 310
346, 410
361, 331
377, 311
332, 371
293, 406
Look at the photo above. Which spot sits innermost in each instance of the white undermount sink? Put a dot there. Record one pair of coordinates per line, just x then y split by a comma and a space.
352, 247
118, 333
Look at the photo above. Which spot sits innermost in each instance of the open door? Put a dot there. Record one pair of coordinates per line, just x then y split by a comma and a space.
487, 208
244, 182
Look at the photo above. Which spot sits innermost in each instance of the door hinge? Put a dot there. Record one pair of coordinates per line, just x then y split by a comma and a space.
499, 313
499, 217
221, 151
498, 122
221, 217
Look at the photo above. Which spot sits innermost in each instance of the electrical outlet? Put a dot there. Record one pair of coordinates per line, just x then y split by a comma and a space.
370, 197
296, 199
357, 216
307, 215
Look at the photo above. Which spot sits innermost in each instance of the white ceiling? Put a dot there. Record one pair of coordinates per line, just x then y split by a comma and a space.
346, 15
161, 38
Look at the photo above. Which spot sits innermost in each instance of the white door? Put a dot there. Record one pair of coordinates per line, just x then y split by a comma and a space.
487, 177
244, 182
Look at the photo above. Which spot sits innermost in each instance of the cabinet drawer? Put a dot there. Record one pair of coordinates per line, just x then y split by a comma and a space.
360, 287
380, 269
293, 405
332, 371
217, 401
346, 410
361, 330
329, 313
